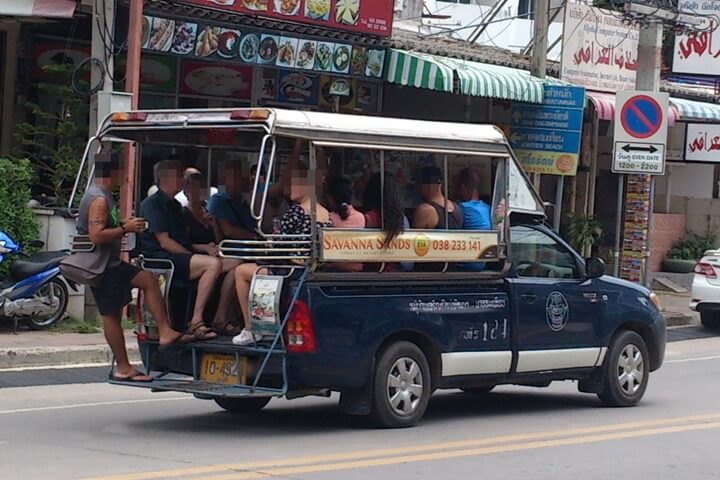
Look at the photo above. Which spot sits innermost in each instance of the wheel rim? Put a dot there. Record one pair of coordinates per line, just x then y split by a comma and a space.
56, 301
631, 370
404, 386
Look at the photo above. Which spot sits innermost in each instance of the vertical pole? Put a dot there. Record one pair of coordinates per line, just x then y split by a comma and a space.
573, 194
9, 79
593, 166
132, 85
618, 225
103, 14
558, 202
648, 248
668, 190
538, 60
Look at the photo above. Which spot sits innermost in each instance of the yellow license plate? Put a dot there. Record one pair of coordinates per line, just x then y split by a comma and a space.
218, 368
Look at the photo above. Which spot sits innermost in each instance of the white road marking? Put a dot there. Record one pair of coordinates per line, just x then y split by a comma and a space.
697, 359
56, 367
93, 404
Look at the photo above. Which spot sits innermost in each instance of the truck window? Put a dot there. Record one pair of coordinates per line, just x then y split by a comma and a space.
537, 255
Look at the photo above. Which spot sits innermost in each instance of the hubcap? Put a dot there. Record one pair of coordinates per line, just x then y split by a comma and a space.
404, 386
630, 370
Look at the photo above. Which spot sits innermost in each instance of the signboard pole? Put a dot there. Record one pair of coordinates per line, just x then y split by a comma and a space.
558, 202
618, 225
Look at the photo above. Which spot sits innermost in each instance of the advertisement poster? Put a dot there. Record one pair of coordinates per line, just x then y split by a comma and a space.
599, 50
215, 79
158, 73
702, 143
296, 87
265, 303
699, 52
372, 17
56, 53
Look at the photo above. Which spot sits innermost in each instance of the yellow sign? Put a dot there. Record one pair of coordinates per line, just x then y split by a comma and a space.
549, 163
346, 245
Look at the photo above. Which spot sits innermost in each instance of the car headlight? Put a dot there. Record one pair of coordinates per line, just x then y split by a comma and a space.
655, 300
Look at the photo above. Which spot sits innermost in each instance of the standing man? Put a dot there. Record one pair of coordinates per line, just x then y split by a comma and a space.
99, 219
167, 237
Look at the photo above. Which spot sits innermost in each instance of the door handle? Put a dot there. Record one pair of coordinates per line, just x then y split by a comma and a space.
529, 297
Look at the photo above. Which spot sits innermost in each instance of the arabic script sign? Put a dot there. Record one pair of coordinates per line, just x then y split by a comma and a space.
699, 53
599, 51
702, 143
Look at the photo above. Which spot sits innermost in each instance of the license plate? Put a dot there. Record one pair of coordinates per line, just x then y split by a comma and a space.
227, 369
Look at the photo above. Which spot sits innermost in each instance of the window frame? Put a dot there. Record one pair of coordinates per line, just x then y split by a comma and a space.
580, 274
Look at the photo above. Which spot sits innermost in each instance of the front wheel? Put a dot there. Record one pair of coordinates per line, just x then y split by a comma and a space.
626, 371
402, 386
53, 296
243, 405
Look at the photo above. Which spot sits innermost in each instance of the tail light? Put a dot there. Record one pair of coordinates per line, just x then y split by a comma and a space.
705, 269
256, 114
299, 331
129, 117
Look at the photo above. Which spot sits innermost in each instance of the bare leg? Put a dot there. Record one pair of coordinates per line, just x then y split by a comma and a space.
155, 304
116, 339
227, 305
243, 277
207, 269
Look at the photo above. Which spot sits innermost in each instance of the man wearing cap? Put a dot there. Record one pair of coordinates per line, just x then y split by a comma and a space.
431, 214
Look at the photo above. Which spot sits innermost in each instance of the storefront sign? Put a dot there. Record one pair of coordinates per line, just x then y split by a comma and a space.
340, 245
212, 42
546, 137
599, 50
48, 54
702, 143
699, 52
373, 17
215, 80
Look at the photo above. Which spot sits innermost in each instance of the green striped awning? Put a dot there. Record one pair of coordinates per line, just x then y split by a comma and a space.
692, 110
477, 79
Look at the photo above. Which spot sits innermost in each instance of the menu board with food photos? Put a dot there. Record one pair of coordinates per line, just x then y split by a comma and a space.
208, 41
373, 17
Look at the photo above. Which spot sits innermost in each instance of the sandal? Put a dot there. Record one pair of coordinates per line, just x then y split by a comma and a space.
133, 377
180, 339
201, 332
227, 329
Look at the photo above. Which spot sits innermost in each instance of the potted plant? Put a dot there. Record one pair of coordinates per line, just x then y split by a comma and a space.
583, 232
686, 253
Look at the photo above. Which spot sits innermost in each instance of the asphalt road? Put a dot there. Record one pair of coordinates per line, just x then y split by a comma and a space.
99, 431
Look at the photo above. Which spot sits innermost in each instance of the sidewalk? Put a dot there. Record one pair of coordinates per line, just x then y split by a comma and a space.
676, 310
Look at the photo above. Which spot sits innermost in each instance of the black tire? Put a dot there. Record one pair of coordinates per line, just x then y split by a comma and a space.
59, 290
242, 405
411, 400
628, 392
710, 319
479, 390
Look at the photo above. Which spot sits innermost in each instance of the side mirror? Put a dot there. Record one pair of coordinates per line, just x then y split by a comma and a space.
594, 267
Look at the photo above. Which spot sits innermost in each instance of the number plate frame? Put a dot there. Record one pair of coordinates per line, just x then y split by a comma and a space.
223, 369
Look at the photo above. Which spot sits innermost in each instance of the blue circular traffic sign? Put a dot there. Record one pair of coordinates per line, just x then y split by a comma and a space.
641, 116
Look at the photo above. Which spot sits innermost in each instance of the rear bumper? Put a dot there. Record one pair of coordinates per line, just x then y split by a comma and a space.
704, 295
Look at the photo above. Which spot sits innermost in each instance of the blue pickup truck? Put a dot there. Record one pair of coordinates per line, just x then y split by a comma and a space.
414, 318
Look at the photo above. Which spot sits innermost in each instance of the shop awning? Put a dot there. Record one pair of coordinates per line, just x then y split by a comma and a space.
692, 110
477, 79
604, 104
38, 8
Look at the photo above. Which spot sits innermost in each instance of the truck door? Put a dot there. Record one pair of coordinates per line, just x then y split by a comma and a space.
558, 313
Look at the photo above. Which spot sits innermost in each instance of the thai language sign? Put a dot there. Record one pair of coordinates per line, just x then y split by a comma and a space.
373, 17
546, 137
699, 52
599, 51
345, 245
702, 143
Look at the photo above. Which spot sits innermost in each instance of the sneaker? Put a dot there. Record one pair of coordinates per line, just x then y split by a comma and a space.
246, 337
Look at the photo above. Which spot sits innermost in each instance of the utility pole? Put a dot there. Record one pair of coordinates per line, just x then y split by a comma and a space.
103, 14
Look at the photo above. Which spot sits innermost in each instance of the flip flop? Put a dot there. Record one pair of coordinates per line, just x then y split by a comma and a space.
180, 339
133, 377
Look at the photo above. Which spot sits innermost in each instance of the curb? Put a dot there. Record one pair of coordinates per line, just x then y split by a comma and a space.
52, 357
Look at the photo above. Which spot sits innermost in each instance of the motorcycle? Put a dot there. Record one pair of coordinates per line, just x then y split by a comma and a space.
34, 292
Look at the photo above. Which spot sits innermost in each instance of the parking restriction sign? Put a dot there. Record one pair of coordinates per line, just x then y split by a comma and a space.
640, 132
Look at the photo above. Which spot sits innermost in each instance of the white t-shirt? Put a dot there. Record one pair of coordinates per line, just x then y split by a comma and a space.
180, 196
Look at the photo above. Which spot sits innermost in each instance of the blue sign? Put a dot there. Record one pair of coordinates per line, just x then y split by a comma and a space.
641, 116
546, 137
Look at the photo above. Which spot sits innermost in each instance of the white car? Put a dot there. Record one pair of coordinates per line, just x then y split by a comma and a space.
705, 293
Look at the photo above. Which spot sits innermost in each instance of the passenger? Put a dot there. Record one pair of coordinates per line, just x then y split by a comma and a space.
383, 205
99, 219
167, 237
230, 206
343, 215
431, 214
476, 212
205, 235
296, 221
182, 195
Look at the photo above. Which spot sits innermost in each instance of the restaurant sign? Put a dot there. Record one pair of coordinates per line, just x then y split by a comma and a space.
599, 50
346, 245
373, 17
702, 143
699, 52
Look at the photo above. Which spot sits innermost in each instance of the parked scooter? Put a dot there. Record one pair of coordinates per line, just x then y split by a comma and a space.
34, 292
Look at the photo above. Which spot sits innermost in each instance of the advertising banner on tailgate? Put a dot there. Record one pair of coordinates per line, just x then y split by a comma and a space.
699, 53
372, 17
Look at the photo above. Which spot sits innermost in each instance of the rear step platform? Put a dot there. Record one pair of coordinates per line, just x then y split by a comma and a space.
203, 389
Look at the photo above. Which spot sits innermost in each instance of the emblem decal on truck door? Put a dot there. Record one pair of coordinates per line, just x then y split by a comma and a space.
556, 311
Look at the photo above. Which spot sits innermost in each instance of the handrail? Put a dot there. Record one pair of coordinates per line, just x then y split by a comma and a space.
285, 249
80, 169
83, 244
268, 176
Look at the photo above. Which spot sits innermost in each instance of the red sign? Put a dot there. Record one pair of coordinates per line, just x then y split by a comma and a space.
373, 17
215, 79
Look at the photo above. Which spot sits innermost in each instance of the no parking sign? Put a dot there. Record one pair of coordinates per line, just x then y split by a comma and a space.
640, 132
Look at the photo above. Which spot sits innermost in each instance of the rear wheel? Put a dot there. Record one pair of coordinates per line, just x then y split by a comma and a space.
479, 390
710, 318
401, 387
54, 298
243, 405
626, 371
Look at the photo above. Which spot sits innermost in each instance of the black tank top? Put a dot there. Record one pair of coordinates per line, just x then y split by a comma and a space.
455, 218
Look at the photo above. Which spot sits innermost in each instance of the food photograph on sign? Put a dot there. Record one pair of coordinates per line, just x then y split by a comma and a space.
268, 49
161, 35
215, 79
317, 9
184, 40
287, 51
208, 41
296, 87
